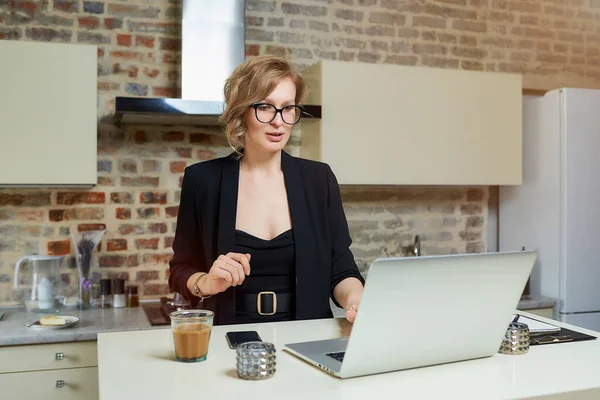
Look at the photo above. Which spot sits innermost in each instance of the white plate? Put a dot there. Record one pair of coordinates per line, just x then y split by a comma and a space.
69, 322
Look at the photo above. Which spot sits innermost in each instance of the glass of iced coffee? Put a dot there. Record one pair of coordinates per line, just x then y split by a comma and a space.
191, 334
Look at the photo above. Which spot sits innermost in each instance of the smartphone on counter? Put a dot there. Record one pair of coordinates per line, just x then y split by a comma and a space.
234, 339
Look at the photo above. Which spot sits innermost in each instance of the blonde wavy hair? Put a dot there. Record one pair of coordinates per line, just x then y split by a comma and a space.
251, 82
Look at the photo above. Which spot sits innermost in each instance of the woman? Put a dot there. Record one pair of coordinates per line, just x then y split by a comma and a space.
261, 235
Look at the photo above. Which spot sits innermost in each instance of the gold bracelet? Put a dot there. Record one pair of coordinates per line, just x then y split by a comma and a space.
196, 288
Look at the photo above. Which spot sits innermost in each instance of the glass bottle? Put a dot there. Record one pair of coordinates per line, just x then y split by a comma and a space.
132, 299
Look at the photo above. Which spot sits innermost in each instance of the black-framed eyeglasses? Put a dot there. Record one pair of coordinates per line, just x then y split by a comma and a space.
266, 113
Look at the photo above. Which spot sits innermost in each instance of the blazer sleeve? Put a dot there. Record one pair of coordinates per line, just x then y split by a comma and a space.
342, 260
187, 257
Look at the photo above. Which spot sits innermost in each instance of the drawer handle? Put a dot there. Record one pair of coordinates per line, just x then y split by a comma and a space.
60, 384
60, 356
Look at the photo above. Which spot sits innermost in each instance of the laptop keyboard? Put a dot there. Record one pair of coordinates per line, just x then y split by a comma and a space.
337, 356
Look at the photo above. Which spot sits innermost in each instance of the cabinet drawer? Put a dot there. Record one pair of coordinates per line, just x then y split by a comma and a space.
48, 356
63, 384
542, 312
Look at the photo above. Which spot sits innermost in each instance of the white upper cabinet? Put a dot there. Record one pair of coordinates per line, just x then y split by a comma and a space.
399, 125
48, 114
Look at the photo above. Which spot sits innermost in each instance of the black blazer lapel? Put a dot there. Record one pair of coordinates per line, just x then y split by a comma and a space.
302, 232
226, 230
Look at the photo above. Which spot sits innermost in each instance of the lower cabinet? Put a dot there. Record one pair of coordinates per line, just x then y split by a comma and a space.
542, 312
66, 371
64, 384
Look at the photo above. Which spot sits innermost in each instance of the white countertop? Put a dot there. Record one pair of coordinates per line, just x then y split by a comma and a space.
142, 365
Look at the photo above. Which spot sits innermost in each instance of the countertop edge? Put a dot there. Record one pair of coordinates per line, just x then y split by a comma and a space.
77, 337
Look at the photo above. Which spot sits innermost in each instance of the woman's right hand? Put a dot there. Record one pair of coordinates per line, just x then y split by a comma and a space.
227, 270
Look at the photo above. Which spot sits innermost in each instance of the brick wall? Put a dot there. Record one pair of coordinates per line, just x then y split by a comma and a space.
140, 167
136, 201
552, 42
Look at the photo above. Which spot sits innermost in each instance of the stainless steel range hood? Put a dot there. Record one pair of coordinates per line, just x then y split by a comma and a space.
212, 46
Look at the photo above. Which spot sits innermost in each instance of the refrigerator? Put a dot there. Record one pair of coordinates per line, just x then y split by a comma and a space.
556, 210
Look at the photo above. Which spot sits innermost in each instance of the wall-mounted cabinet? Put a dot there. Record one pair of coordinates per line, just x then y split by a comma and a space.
399, 125
48, 114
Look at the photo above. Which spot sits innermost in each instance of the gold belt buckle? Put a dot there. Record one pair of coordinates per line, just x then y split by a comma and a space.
259, 305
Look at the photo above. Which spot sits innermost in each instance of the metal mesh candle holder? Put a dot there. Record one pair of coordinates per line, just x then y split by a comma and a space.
255, 360
516, 339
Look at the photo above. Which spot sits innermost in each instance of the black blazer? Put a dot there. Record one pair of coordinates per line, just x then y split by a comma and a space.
206, 229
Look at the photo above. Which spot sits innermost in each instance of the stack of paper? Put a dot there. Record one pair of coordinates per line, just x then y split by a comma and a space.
536, 326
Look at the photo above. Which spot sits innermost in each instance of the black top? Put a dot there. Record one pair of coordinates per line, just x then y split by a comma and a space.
272, 268
105, 288
119, 286
206, 229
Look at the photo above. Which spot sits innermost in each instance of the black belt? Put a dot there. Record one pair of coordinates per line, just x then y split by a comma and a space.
264, 303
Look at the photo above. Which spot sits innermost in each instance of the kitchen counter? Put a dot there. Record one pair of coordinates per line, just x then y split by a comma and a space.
91, 322
531, 302
554, 371
13, 330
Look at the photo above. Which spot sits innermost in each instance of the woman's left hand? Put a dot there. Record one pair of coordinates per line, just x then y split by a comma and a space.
348, 294
351, 312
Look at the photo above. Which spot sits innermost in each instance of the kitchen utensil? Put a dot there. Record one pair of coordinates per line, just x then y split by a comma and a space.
119, 296
43, 294
105, 300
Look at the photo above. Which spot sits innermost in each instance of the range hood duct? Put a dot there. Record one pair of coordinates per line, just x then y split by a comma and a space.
212, 46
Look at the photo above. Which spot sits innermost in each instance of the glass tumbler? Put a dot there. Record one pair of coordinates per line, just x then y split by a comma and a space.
191, 334
255, 360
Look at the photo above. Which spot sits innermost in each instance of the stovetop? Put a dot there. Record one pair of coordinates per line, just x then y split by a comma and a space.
158, 314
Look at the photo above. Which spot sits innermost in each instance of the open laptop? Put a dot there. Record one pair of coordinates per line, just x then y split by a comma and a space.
422, 311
